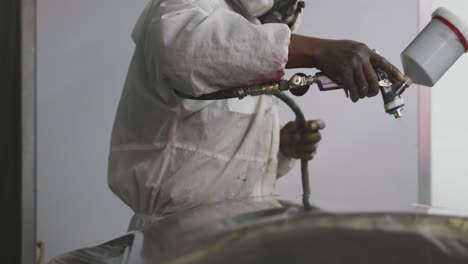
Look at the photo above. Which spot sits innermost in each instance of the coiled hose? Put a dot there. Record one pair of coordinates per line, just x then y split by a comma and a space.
304, 163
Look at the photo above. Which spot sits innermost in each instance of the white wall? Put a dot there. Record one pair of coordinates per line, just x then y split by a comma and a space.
450, 128
84, 48
367, 160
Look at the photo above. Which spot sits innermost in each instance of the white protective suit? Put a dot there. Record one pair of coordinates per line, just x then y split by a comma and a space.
169, 154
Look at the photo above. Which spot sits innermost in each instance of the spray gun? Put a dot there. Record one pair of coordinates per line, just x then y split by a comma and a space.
300, 83
391, 92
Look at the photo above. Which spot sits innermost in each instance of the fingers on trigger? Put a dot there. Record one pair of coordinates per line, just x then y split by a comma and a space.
361, 83
372, 79
379, 61
353, 91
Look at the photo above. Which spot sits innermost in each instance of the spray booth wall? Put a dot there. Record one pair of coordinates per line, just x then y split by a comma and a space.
450, 129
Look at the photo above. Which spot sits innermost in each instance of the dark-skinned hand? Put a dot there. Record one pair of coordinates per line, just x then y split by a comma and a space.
298, 145
349, 63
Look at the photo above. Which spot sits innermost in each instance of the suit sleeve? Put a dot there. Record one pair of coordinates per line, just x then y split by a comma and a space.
199, 50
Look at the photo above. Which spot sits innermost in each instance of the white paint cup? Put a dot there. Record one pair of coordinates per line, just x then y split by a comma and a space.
436, 48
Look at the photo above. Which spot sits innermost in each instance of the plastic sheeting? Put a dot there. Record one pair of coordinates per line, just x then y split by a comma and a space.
112, 252
253, 231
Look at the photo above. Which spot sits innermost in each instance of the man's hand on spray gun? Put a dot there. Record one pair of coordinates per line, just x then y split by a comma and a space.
297, 145
350, 64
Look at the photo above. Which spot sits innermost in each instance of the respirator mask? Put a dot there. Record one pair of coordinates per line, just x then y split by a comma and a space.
274, 11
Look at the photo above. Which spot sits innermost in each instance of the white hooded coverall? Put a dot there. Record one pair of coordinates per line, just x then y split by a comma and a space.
169, 154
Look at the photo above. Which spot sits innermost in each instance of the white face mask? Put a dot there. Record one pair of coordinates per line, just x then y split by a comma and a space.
256, 8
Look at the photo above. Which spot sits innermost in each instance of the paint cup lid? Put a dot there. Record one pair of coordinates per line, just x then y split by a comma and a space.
454, 22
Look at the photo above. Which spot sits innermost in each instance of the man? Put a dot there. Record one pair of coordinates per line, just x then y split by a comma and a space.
169, 154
